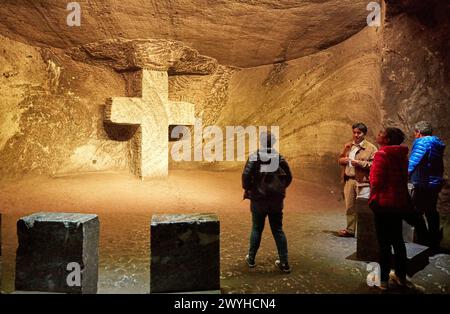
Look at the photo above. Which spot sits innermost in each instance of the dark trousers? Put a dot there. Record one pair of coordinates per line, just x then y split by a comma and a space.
389, 233
425, 201
416, 220
260, 210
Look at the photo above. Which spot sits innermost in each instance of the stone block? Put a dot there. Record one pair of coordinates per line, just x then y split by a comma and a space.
48, 242
418, 258
367, 244
408, 233
185, 253
366, 239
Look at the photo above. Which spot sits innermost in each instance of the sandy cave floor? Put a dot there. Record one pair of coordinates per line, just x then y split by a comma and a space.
313, 213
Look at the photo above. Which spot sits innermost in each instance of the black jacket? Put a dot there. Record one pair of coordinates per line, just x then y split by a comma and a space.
251, 175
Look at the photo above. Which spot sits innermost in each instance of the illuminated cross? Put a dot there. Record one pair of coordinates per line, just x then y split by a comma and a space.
152, 113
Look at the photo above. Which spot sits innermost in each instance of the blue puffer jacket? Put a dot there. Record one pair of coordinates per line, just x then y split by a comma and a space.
426, 164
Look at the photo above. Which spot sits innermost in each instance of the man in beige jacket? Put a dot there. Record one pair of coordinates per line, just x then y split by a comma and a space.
355, 160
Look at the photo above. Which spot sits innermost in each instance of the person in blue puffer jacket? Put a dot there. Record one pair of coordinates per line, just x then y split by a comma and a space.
426, 172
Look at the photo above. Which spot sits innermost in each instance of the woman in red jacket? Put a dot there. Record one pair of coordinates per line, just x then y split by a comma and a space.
388, 200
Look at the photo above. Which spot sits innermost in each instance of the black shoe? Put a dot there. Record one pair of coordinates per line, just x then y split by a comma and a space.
284, 267
250, 262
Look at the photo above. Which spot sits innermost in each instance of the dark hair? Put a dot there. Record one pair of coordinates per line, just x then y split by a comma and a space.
267, 139
360, 126
394, 136
424, 127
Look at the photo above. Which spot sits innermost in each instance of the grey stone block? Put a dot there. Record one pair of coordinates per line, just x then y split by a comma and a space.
185, 253
48, 242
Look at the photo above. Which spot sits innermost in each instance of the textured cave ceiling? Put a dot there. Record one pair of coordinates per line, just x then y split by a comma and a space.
243, 33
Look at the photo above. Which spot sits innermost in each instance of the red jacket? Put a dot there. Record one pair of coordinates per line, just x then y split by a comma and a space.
389, 177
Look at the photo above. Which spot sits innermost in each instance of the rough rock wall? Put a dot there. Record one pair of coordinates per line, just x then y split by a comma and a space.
52, 113
56, 102
416, 67
314, 100
51, 117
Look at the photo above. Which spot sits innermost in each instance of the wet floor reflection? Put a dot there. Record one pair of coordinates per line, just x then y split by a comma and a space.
317, 256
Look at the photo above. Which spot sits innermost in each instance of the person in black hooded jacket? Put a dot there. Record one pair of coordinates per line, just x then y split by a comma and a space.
265, 178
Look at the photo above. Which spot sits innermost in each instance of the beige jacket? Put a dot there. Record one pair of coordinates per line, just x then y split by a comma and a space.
365, 157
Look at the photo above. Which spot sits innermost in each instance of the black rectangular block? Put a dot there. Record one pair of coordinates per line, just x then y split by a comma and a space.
418, 258
367, 244
185, 253
408, 232
366, 239
48, 242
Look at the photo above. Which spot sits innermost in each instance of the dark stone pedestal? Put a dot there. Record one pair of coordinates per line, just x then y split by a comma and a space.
418, 258
48, 242
185, 253
408, 233
366, 241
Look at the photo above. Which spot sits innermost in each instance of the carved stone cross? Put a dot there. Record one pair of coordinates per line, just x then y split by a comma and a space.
152, 113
